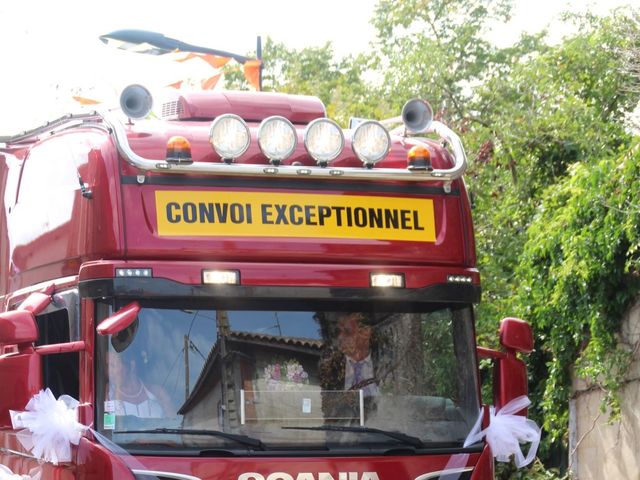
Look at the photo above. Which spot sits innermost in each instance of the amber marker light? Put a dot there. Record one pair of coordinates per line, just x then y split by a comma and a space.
179, 150
419, 158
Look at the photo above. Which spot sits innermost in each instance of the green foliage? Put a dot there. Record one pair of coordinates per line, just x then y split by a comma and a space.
339, 84
437, 49
440, 363
544, 115
577, 274
536, 471
550, 250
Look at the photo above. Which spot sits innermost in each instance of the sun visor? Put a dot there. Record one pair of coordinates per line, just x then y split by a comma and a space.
251, 106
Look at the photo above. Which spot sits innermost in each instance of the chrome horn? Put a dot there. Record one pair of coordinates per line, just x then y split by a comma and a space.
417, 118
417, 115
136, 101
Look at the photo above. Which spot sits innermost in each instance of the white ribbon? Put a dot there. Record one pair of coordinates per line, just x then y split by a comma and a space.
506, 431
50, 426
7, 474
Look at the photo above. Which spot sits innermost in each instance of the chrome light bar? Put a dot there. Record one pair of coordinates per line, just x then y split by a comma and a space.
111, 123
253, 170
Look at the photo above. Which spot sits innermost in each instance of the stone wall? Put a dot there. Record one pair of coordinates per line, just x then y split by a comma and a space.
600, 449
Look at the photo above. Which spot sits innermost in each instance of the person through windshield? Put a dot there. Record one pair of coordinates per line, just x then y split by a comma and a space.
127, 393
354, 341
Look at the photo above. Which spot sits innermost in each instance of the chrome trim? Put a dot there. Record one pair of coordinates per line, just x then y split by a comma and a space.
63, 123
68, 300
156, 473
448, 471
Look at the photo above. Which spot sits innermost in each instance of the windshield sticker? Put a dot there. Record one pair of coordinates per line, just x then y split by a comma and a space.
109, 406
253, 214
109, 421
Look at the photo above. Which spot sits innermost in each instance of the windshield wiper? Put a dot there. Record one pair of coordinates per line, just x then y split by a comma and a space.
242, 439
401, 437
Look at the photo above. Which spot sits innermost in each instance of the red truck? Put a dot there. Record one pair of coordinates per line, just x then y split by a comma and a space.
240, 289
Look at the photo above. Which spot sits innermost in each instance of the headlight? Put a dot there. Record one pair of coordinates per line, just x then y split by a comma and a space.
277, 138
371, 142
323, 140
229, 136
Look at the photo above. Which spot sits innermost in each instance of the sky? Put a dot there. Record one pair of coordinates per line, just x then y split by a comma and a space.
50, 50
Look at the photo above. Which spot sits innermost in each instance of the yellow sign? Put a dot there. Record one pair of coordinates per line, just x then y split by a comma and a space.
253, 214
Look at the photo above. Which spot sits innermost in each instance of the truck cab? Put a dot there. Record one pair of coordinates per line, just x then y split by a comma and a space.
241, 289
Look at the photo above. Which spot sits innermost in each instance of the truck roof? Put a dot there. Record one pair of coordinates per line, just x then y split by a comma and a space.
96, 186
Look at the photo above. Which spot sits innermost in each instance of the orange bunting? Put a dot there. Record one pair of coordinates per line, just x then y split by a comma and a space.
188, 56
210, 82
86, 101
176, 85
251, 70
213, 60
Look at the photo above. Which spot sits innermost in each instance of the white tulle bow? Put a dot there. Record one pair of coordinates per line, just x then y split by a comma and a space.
506, 431
7, 474
50, 426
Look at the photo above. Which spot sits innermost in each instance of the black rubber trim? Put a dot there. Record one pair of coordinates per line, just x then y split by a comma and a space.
287, 183
381, 452
156, 288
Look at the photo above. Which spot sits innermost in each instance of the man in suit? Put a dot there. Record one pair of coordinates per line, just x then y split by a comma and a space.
347, 366
354, 341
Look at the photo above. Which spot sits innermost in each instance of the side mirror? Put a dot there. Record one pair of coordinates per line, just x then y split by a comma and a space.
20, 370
510, 373
516, 334
510, 378
119, 320
18, 327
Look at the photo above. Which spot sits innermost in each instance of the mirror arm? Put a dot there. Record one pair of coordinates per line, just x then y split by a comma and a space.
490, 353
68, 347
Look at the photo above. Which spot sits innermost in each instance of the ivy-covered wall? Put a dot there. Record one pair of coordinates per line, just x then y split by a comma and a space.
600, 448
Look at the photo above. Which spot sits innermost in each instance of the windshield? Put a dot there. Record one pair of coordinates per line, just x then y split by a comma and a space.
274, 379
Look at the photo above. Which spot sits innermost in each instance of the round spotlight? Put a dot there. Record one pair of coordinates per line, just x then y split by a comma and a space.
371, 142
324, 140
277, 138
229, 136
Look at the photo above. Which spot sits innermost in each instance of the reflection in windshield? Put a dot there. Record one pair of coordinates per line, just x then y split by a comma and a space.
288, 378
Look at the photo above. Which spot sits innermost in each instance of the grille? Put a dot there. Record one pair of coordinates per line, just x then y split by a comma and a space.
171, 109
